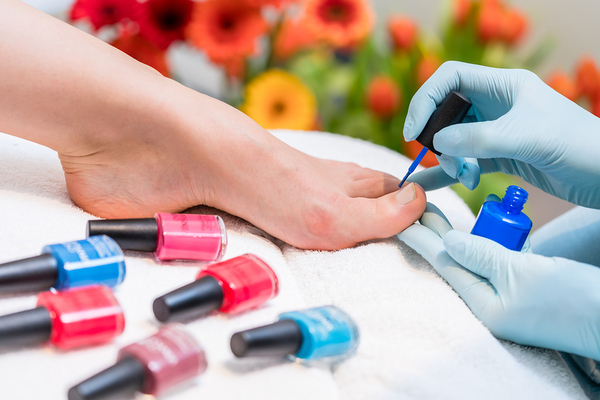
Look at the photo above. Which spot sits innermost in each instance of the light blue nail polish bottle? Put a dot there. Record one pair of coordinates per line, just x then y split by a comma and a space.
504, 222
95, 260
308, 334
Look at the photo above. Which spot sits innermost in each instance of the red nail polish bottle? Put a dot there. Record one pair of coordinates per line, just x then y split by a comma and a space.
72, 318
230, 286
150, 366
169, 236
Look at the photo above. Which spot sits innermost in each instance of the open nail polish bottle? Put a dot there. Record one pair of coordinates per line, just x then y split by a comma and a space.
72, 318
229, 286
504, 222
151, 366
170, 236
95, 260
309, 334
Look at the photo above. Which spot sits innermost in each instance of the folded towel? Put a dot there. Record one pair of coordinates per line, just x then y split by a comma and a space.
418, 339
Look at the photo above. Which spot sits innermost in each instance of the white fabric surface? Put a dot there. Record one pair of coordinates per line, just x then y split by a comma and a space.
418, 339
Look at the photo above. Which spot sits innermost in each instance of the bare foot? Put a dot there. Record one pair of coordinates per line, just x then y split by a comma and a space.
206, 152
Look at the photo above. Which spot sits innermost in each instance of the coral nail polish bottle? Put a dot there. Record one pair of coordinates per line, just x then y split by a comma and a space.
309, 334
169, 236
95, 260
229, 286
73, 318
504, 222
150, 366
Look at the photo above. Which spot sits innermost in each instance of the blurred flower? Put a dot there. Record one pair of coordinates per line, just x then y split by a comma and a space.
426, 67
142, 50
226, 29
588, 78
563, 84
497, 22
263, 3
235, 67
102, 12
412, 150
460, 11
515, 26
164, 21
383, 96
277, 99
341, 23
403, 31
292, 38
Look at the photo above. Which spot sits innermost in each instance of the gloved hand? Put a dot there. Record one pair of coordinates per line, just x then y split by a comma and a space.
526, 298
522, 127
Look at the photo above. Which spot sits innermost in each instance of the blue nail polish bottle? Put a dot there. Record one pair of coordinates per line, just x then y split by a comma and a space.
504, 222
308, 334
95, 260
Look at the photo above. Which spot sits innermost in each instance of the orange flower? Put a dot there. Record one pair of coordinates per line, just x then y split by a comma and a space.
460, 11
426, 67
497, 22
143, 51
225, 29
292, 38
563, 84
490, 22
403, 31
263, 3
588, 78
412, 150
341, 23
235, 67
383, 96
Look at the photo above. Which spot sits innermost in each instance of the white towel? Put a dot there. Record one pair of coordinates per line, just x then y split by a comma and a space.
418, 339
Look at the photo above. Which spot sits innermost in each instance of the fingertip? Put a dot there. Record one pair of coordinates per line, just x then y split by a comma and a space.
470, 175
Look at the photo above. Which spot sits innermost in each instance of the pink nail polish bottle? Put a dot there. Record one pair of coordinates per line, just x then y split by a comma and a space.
72, 318
230, 286
151, 366
170, 236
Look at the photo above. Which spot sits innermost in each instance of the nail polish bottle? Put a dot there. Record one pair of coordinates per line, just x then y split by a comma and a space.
72, 318
150, 366
230, 286
504, 222
309, 334
95, 260
170, 236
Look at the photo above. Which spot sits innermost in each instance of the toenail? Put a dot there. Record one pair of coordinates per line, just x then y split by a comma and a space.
407, 194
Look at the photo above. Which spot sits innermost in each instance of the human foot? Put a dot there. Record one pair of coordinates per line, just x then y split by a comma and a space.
219, 157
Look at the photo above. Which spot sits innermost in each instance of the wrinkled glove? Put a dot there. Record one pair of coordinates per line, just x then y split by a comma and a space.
525, 298
522, 127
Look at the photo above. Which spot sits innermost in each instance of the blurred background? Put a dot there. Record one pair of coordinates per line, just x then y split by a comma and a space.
350, 66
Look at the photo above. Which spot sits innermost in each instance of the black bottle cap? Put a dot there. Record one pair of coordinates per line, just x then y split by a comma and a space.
193, 300
453, 110
281, 338
125, 377
140, 234
37, 273
26, 327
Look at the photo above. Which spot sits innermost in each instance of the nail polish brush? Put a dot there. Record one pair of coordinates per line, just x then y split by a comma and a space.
451, 111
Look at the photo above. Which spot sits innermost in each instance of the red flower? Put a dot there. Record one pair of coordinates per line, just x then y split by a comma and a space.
564, 85
263, 3
226, 29
515, 26
293, 37
383, 96
102, 12
164, 21
460, 12
403, 32
588, 79
426, 67
342, 23
143, 51
500, 23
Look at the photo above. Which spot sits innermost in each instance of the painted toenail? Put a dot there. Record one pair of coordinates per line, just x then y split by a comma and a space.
407, 194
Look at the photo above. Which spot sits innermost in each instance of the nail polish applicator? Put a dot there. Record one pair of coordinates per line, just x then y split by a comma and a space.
451, 111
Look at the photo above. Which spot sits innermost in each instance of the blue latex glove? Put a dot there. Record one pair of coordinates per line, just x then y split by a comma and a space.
523, 297
523, 128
